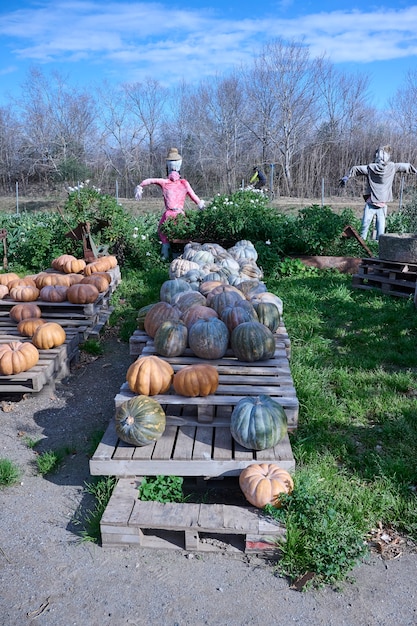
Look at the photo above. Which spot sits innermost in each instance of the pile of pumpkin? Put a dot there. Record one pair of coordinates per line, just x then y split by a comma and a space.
214, 300
72, 280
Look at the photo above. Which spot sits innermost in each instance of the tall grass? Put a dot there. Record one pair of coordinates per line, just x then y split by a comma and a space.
354, 365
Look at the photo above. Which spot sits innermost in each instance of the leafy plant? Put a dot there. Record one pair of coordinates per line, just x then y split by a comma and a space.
162, 489
29, 442
295, 267
92, 346
9, 473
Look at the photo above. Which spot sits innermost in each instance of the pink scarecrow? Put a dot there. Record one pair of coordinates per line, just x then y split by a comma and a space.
175, 190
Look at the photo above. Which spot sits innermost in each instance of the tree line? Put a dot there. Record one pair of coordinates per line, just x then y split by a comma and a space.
300, 119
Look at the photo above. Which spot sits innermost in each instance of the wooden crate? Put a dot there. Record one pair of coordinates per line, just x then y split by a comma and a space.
53, 365
186, 526
186, 448
389, 277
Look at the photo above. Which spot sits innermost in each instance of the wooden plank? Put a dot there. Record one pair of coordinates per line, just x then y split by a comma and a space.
184, 444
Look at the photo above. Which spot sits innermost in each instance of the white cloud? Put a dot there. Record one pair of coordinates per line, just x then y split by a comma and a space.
164, 41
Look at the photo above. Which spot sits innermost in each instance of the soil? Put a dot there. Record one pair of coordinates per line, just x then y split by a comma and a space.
49, 577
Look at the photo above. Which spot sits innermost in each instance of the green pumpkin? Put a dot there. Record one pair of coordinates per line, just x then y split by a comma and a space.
252, 341
142, 314
171, 338
170, 288
258, 422
140, 421
268, 314
208, 338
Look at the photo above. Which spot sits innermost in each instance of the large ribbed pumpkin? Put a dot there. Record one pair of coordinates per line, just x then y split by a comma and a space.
149, 375
49, 335
258, 422
268, 315
17, 356
185, 300
140, 421
24, 293
142, 314
27, 327
159, 313
232, 316
208, 339
170, 288
53, 293
82, 294
51, 278
198, 379
265, 483
171, 338
22, 311
252, 341
6, 278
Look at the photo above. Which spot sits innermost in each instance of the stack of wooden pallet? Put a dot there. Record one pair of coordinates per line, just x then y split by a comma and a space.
389, 277
197, 442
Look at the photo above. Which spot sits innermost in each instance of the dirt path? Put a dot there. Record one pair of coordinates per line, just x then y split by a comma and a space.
49, 578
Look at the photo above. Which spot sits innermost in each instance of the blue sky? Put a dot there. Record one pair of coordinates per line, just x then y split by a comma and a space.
124, 42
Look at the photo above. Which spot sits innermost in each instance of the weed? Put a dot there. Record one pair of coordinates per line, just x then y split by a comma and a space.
49, 461
9, 473
92, 346
162, 489
29, 442
101, 489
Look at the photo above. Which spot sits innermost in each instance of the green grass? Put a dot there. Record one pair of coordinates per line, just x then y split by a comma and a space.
49, 461
9, 473
101, 488
354, 365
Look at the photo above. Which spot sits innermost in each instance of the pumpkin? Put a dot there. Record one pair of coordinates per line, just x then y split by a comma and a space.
171, 288
171, 338
82, 294
267, 296
222, 289
60, 260
73, 266
265, 483
18, 282
20, 312
179, 267
149, 376
98, 279
232, 316
208, 338
258, 422
252, 341
17, 356
198, 379
207, 286
197, 312
142, 314
24, 293
159, 313
53, 293
6, 278
268, 315
187, 299
49, 335
103, 264
223, 299
52, 278
140, 421
4, 291
28, 326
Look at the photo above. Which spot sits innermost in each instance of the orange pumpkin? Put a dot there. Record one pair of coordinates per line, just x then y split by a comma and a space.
28, 326
265, 483
199, 379
51, 278
82, 294
60, 260
149, 376
22, 311
98, 279
49, 335
17, 356
103, 264
24, 293
17, 282
4, 291
6, 278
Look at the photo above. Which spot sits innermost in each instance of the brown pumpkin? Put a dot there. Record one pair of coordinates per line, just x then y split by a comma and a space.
198, 379
160, 312
27, 327
265, 483
17, 356
49, 335
22, 311
73, 266
51, 278
82, 294
24, 293
6, 278
4, 291
59, 261
149, 376
53, 293
197, 312
17, 282
103, 264
98, 279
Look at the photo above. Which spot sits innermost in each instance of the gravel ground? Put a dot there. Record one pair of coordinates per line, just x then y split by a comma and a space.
48, 577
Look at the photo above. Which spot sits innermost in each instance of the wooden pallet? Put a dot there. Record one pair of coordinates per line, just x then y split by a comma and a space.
192, 527
53, 365
389, 277
186, 448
